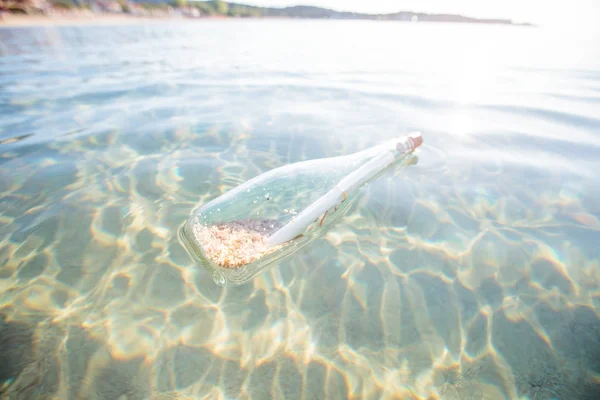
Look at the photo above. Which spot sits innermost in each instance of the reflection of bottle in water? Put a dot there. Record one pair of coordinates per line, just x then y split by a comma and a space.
273, 215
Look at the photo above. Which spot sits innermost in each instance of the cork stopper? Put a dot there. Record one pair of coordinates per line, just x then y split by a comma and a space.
416, 139
409, 143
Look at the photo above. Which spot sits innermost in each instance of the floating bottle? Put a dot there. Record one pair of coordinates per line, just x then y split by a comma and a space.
270, 217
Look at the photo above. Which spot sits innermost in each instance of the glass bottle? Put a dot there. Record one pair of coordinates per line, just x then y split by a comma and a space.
272, 216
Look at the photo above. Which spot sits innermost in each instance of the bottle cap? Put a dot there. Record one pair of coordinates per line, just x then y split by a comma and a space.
409, 143
416, 138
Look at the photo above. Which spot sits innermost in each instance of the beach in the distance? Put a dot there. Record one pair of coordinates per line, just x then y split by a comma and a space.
81, 19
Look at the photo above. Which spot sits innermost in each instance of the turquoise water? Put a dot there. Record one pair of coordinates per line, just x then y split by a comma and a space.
474, 273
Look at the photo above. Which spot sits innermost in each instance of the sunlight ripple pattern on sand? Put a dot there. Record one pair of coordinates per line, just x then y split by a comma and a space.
476, 275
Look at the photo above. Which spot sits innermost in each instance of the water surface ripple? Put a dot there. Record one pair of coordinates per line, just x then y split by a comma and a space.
473, 274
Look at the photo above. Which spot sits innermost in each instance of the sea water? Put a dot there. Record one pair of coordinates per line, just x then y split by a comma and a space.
474, 273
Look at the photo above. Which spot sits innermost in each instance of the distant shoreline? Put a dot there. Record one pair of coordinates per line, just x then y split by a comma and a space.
76, 19
66, 19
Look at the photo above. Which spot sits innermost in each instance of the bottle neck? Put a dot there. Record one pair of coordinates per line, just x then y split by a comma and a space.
409, 143
399, 147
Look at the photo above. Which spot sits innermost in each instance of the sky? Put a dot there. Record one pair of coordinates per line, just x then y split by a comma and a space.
572, 13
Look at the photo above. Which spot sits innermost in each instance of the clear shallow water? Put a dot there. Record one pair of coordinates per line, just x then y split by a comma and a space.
472, 274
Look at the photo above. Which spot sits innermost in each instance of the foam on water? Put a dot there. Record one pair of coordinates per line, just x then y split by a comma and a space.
477, 275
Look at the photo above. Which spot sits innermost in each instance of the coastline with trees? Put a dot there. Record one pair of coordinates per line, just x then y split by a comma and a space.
16, 10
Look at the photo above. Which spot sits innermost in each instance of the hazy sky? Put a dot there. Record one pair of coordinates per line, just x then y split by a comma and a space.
543, 12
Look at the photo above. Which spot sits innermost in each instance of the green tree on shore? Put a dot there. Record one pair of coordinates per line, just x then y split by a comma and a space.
125, 6
220, 7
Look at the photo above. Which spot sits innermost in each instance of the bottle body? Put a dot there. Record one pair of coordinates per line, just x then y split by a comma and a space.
275, 214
